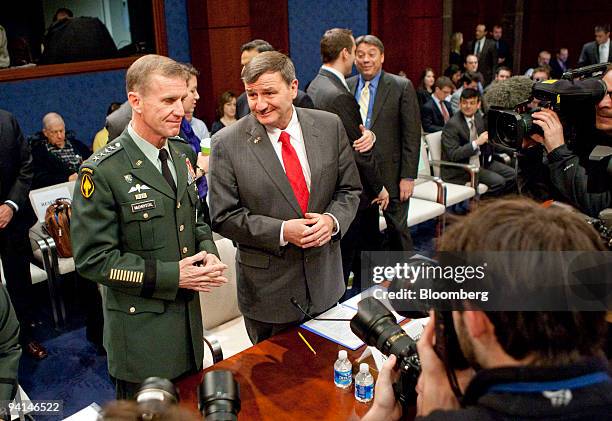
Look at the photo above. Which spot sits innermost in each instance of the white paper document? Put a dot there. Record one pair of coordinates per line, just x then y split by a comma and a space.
339, 332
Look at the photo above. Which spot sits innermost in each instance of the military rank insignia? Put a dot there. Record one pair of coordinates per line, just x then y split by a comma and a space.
87, 184
191, 176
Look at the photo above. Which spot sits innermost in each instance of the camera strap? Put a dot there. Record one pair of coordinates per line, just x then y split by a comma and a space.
536, 387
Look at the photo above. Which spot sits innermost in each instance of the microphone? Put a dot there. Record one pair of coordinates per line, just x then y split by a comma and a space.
299, 307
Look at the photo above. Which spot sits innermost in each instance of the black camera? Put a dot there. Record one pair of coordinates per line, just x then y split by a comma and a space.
376, 326
568, 98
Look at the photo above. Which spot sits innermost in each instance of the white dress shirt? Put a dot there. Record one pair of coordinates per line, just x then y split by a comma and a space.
604, 51
338, 75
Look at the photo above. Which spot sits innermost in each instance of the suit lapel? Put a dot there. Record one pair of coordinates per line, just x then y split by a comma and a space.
144, 170
383, 89
333, 79
180, 165
313, 152
259, 144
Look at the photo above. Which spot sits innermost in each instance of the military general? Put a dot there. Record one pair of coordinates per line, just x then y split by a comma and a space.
137, 230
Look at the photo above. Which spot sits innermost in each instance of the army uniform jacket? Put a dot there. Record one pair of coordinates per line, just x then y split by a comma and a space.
129, 231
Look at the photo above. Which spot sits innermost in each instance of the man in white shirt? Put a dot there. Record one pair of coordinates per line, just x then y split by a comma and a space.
597, 51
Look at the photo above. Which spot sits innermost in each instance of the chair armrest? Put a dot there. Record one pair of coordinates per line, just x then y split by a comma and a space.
502, 157
471, 169
441, 194
214, 345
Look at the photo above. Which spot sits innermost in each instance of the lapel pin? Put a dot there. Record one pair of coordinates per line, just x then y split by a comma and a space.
128, 178
138, 163
257, 139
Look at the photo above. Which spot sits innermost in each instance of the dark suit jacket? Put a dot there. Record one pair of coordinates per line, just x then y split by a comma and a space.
250, 197
432, 118
457, 147
16, 171
590, 54
556, 69
396, 122
302, 100
329, 94
487, 60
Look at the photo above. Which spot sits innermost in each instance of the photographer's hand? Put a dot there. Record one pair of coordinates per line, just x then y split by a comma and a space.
434, 390
385, 406
549, 121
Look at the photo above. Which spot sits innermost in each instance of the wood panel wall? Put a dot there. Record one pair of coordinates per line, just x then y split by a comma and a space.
217, 29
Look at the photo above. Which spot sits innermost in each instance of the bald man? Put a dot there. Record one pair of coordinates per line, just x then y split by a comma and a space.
56, 154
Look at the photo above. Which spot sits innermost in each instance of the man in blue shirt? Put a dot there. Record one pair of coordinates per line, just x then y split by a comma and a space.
389, 107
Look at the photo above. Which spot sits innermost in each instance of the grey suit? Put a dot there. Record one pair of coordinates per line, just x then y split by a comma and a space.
117, 121
590, 54
396, 122
250, 197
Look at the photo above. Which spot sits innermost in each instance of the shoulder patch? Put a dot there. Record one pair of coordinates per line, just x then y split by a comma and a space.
104, 153
87, 184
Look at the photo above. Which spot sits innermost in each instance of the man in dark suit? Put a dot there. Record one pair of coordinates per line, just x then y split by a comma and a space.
329, 92
389, 108
504, 56
465, 141
138, 231
283, 186
436, 113
16, 217
597, 51
559, 64
485, 50
247, 52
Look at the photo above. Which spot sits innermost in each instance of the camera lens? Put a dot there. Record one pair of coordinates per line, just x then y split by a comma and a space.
219, 396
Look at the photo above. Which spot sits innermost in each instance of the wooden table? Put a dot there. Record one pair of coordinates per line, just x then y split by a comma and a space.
281, 379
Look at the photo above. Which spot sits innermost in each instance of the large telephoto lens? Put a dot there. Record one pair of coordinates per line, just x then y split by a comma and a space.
219, 396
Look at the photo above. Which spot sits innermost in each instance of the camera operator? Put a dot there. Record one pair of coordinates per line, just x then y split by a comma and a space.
535, 365
564, 172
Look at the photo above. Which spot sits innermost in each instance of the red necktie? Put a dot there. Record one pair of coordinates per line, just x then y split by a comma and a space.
293, 169
444, 112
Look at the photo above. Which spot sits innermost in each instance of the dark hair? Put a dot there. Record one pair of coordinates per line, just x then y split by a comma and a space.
443, 82
113, 107
516, 224
504, 68
62, 11
270, 61
422, 77
497, 25
604, 27
257, 44
469, 93
372, 40
224, 98
190, 69
451, 70
333, 42
469, 77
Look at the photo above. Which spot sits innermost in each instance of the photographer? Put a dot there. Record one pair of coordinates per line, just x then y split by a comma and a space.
567, 173
535, 365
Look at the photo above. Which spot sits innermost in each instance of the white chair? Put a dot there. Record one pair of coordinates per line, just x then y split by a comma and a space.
224, 329
454, 191
44, 248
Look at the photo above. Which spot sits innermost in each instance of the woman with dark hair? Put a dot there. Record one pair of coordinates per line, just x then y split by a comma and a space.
425, 86
454, 73
226, 112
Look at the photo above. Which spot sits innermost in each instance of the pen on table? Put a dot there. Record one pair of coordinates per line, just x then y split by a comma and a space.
307, 344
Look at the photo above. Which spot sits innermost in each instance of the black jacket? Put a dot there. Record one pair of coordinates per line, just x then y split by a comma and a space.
329, 94
564, 402
15, 169
48, 169
431, 116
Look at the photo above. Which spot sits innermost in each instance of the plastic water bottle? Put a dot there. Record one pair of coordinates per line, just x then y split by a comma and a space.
364, 384
343, 371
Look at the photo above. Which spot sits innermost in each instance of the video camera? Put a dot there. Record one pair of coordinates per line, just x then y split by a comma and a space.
219, 397
570, 97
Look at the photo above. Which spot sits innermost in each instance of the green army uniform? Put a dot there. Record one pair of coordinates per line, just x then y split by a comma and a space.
129, 230
10, 350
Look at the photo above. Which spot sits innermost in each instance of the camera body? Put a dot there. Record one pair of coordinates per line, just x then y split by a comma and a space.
568, 98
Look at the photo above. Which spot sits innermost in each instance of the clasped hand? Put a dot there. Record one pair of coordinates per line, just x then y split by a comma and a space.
314, 230
201, 278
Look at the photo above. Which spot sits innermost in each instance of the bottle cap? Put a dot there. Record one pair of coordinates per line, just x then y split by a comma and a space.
364, 368
342, 355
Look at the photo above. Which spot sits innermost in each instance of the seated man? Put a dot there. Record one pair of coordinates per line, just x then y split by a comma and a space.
530, 365
465, 141
435, 114
56, 154
468, 80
